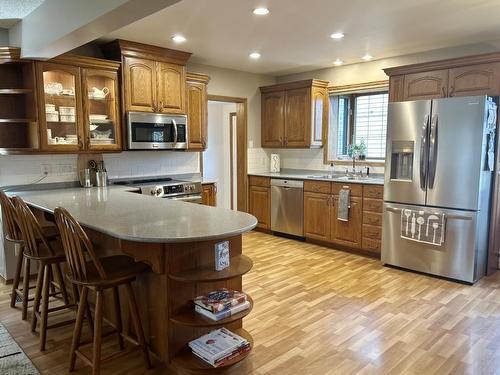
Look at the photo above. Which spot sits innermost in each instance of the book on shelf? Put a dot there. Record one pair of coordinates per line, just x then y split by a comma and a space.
224, 313
217, 346
220, 300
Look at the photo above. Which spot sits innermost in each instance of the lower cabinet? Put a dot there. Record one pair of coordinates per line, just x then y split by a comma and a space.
347, 233
317, 212
363, 230
209, 195
259, 200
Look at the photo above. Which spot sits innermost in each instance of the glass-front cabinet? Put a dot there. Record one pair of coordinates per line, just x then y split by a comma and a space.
79, 106
101, 115
60, 111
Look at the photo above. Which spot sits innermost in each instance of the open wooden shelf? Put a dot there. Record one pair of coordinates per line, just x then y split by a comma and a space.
16, 120
239, 266
194, 319
186, 360
15, 91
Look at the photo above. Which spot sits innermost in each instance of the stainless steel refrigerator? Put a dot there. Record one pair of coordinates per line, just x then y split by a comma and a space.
440, 159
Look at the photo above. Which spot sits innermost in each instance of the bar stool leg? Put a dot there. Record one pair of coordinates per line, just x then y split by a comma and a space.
77, 332
26, 287
60, 280
118, 315
134, 314
96, 355
17, 276
38, 293
47, 278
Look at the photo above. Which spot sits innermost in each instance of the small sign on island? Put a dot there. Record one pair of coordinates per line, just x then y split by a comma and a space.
221, 255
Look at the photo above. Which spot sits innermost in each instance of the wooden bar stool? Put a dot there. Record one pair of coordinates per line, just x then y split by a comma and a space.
98, 274
13, 235
49, 257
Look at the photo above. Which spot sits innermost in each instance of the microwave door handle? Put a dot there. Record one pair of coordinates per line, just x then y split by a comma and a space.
424, 153
175, 130
433, 150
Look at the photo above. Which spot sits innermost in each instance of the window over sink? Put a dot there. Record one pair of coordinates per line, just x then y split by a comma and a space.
357, 118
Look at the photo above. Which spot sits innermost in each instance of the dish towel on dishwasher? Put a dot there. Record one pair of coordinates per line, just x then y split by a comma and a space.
343, 207
423, 226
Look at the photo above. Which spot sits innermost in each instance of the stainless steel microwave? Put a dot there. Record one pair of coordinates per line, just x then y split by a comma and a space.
156, 131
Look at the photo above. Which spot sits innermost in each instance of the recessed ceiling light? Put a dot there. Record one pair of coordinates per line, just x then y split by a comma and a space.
177, 38
338, 35
367, 57
261, 11
338, 62
254, 55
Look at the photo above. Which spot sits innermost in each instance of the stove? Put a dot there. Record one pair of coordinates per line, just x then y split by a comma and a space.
166, 187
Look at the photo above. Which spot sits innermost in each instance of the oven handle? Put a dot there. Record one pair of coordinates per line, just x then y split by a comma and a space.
452, 217
175, 130
188, 198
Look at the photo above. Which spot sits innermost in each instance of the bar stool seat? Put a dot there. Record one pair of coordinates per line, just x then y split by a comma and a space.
119, 269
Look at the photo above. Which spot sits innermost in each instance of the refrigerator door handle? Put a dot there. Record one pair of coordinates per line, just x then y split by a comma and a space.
433, 150
448, 217
424, 153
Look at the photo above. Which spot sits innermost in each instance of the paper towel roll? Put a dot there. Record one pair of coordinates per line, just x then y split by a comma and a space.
275, 163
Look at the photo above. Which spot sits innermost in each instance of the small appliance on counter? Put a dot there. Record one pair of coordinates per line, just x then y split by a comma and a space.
100, 173
275, 163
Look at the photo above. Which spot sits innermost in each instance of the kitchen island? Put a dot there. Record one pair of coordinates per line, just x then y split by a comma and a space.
177, 240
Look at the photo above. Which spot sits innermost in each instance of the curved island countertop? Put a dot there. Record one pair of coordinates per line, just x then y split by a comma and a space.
134, 217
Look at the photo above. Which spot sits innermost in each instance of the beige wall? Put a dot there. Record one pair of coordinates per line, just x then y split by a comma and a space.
373, 70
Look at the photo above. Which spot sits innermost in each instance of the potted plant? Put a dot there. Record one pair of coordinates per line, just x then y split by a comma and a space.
357, 150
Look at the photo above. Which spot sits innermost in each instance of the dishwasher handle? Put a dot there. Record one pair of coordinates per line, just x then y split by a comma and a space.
287, 183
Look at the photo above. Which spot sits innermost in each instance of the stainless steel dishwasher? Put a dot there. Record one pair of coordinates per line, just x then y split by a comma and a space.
287, 206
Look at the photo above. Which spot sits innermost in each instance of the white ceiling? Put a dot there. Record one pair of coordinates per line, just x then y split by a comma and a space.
11, 11
295, 35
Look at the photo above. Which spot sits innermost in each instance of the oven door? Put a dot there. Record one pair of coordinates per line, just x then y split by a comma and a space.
149, 131
191, 198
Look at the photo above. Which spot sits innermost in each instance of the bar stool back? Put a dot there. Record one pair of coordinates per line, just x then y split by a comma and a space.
37, 247
98, 274
13, 235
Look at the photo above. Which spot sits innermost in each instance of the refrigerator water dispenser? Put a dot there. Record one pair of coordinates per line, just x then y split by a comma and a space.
402, 160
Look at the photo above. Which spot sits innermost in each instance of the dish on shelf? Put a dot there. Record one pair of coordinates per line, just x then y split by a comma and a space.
68, 118
50, 107
102, 141
52, 116
93, 127
53, 88
97, 134
93, 117
67, 110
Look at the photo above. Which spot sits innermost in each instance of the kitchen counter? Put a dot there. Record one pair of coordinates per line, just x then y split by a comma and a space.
134, 217
300, 174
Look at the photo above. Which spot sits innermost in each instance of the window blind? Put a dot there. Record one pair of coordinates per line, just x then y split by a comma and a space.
370, 119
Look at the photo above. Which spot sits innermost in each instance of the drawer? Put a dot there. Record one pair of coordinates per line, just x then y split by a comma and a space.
356, 189
373, 191
372, 218
372, 232
373, 205
259, 181
318, 186
371, 245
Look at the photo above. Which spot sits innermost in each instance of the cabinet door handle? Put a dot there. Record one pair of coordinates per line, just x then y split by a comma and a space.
161, 106
452, 91
444, 92
80, 144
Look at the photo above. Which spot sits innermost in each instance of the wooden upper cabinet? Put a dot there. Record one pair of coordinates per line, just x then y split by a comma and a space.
317, 216
347, 233
273, 119
140, 84
427, 85
171, 94
298, 117
483, 79
196, 100
396, 88
463, 76
294, 114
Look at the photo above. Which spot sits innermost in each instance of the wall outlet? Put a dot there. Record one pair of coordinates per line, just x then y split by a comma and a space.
45, 169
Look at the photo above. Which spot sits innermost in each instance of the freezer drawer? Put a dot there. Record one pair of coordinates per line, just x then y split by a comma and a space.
461, 257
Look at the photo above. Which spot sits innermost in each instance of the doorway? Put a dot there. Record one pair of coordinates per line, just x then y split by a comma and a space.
225, 159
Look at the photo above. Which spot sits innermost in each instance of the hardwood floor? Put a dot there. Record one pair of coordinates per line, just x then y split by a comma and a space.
321, 311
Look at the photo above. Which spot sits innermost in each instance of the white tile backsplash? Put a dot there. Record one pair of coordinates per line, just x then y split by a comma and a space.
258, 160
26, 169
